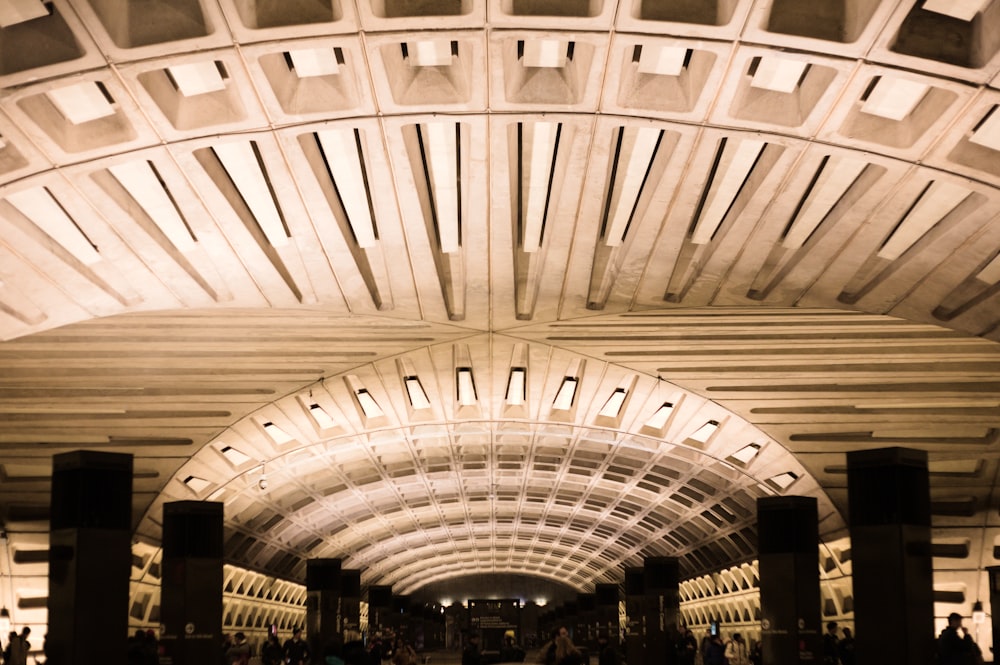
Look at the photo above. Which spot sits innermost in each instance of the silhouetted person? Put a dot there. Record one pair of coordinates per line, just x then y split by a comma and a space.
471, 654
955, 644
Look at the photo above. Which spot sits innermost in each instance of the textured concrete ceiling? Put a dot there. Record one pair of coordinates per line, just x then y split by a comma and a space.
322, 242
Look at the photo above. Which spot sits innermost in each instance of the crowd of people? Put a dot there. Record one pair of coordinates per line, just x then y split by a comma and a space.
955, 646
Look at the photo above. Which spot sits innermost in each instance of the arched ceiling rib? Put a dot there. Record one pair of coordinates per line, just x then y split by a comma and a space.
790, 221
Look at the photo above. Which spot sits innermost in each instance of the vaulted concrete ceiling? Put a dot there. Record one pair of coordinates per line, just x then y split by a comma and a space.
323, 243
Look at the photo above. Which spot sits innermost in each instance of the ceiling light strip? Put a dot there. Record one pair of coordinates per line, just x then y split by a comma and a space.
13, 12
440, 146
82, 102
991, 273
342, 152
894, 98
45, 212
539, 146
314, 62
729, 173
660, 417
635, 151
987, 132
778, 74
835, 176
466, 387
144, 184
197, 78
245, 167
939, 199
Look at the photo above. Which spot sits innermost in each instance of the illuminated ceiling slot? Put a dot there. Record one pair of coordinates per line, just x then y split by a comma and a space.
893, 98
369, 406
538, 144
415, 393
549, 53
783, 480
991, 273
836, 176
730, 171
278, 435
566, 395
778, 74
613, 406
705, 432
235, 457
198, 78
321, 417
465, 386
39, 206
939, 199
439, 146
516, 386
745, 454
245, 167
83, 102
345, 163
13, 12
197, 484
663, 60
964, 10
659, 419
144, 184
430, 52
312, 62
987, 132
634, 154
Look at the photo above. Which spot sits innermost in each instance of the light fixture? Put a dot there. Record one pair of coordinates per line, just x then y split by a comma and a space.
703, 433
278, 435
322, 418
978, 615
466, 386
516, 393
659, 419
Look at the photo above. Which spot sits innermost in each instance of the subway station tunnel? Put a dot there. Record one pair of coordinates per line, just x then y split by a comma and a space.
453, 289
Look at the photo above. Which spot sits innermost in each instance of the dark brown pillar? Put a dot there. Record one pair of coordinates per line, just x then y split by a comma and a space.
585, 634
661, 580
994, 577
350, 600
379, 608
890, 523
323, 609
191, 591
635, 612
788, 560
607, 612
90, 558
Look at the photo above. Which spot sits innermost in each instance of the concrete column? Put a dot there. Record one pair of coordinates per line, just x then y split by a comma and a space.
661, 580
788, 560
890, 524
323, 609
191, 586
90, 558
